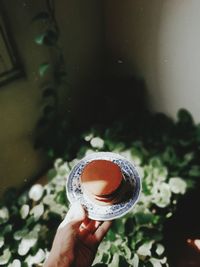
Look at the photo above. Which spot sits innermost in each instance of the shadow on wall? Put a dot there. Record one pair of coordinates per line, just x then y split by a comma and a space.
160, 40
132, 34
109, 99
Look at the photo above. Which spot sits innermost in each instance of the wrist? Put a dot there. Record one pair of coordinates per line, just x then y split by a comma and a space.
57, 262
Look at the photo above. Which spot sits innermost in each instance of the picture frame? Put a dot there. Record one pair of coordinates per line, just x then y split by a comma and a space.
10, 66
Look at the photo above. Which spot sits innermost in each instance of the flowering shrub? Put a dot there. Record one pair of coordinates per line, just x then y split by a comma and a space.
28, 224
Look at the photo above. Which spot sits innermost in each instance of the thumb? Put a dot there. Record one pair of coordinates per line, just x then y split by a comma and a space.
75, 216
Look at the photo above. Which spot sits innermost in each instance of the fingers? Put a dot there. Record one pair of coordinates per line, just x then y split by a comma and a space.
88, 227
74, 217
102, 231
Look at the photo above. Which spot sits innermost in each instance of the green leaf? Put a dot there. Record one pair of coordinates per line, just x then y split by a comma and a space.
115, 261
118, 226
146, 218
40, 39
50, 153
51, 174
48, 38
184, 117
44, 16
48, 109
7, 229
51, 38
49, 92
43, 68
61, 198
194, 171
129, 226
110, 235
42, 123
190, 183
123, 262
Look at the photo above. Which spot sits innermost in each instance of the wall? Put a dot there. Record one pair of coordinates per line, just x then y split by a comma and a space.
20, 103
159, 40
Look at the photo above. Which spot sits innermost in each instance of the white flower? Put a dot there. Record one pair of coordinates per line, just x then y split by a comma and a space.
73, 162
4, 215
135, 260
131, 157
37, 228
145, 249
27, 242
37, 258
61, 167
97, 142
140, 171
155, 262
115, 260
24, 211
88, 137
163, 260
49, 200
5, 257
53, 205
37, 211
161, 194
15, 263
58, 184
58, 163
36, 192
177, 185
1, 241
58, 209
136, 159
127, 154
160, 249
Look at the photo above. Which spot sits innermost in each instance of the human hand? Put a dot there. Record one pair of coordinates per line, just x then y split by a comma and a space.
76, 240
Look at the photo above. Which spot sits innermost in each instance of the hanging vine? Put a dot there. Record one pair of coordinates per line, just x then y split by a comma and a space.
50, 126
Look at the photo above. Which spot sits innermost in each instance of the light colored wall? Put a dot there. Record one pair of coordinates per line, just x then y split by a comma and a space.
159, 40
20, 102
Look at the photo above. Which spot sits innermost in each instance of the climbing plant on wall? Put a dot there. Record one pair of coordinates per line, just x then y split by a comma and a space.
51, 126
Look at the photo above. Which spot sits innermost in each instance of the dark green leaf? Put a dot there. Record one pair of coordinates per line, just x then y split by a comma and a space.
10, 196
110, 235
190, 183
40, 39
30, 221
184, 117
195, 171
48, 109
7, 229
48, 38
43, 68
42, 123
51, 38
51, 174
61, 198
41, 16
50, 153
146, 218
48, 92
123, 262
129, 226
